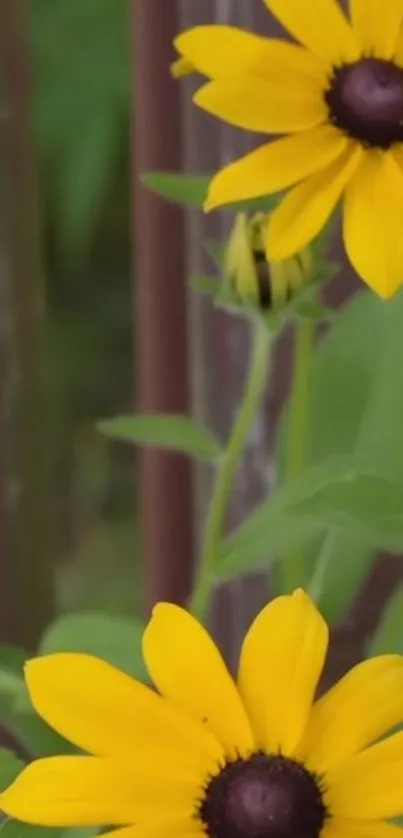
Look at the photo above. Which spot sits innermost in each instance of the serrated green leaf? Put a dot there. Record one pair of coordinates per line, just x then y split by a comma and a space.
388, 637
116, 639
171, 431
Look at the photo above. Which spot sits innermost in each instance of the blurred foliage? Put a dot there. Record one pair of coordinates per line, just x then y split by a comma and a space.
81, 55
82, 82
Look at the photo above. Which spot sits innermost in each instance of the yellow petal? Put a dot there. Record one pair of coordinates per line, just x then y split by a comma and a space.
281, 662
276, 165
369, 785
165, 828
344, 828
323, 28
106, 712
377, 24
89, 791
222, 51
399, 49
272, 106
362, 706
373, 222
188, 669
182, 68
305, 210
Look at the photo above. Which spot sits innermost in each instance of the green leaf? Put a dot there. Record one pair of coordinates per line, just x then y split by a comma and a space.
10, 767
336, 571
352, 497
116, 639
16, 711
15, 829
178, 433
12, 686
355, 408
39, 739
388, 637
205, 285
191, 190
342, 497
264, 538
266, 535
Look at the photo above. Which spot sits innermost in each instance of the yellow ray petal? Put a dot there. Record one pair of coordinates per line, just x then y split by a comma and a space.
276, 165
89, 791
272, 106
281, 661
181, 67
160, 827
224, 51
369, 785
373, 222
377, 24
106, 712
362, 706
399, 49
323, 28
305, 210
344, 828
187, 668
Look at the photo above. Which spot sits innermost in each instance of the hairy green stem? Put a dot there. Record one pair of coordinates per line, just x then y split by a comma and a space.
229, 461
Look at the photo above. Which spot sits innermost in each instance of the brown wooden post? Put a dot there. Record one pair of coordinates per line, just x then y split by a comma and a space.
160, 303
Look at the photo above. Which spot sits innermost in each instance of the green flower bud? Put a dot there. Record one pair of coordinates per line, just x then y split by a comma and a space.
254, 280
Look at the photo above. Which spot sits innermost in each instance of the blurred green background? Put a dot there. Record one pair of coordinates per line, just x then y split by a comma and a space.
81, 83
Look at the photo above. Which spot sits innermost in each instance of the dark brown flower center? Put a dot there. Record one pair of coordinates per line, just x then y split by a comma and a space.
366, 100
263, 797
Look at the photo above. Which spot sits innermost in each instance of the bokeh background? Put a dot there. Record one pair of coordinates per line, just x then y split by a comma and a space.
96, 317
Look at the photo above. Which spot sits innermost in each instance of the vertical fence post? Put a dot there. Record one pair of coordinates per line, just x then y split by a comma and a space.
160, 303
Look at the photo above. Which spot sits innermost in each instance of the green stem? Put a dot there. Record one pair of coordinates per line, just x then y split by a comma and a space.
256, 380
296, 453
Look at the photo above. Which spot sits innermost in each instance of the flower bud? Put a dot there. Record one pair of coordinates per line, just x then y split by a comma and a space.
253, 279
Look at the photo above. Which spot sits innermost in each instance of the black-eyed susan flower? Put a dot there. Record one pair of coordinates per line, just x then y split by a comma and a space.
253, 278
338, 98
210, 756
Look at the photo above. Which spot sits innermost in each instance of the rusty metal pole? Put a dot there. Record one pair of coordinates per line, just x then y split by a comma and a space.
160, 303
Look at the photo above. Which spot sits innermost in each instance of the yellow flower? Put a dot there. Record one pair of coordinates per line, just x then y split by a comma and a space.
208, 756
339, 100
253, 278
